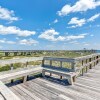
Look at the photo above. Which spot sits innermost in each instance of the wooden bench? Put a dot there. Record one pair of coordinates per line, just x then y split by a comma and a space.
71, 76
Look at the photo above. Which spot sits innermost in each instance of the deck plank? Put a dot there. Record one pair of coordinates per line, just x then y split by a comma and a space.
86, 87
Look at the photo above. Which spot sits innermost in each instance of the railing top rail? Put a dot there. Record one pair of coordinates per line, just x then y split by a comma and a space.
59, 59
71, 59
87, 57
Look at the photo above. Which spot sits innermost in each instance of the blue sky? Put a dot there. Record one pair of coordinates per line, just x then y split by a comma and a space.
50, 24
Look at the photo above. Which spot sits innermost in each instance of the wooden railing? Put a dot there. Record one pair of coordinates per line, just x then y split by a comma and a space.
77, 66
5, 92
82, 64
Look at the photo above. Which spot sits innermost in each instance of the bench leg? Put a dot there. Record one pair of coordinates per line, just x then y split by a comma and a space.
12, 81
74, 79
60, 77
24, 79
70, 80
50, 74
43, 73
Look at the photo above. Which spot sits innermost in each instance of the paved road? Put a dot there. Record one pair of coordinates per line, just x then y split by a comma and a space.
19, 60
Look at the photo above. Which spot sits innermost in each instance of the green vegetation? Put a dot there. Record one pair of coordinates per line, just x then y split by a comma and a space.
19, 65
66, 54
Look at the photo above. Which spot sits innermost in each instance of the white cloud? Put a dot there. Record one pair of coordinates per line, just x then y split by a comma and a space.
5, 14
6, 41
10, 42
4, 30
86, 44
74, 37
93, 17
49, 35
91, 35
28, 42
2, 41
52, 35
79, 6
74, 42
77, 22
55, 21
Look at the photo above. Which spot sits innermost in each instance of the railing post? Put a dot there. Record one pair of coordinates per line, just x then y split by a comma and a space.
26, 63
82, 71
86, 66
24, 79
94, 62
60, 63
50, 63
11, 68
50, 66
97, 60
82, 62
61, 67
43, 73
42, 62
73, 66
90, 64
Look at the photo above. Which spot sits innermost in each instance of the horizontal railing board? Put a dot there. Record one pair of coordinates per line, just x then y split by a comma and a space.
59, 59
87, 57
20, 60
7, 77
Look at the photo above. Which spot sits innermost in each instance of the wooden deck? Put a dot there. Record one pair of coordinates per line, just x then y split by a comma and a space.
86, 87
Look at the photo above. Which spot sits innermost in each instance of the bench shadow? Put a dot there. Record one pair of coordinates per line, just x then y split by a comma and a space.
63, 82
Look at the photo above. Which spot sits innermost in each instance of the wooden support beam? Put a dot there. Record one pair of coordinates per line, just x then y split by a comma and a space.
43, 63
60, 63
12, 81
82, 62
24, 79
86, 69
94, 62
50, 74
82, 71
90, 64
97, 60
60, 77
50, 62
43, 73
73, 66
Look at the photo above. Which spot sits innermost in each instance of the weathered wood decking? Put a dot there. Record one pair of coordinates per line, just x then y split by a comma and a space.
86, 87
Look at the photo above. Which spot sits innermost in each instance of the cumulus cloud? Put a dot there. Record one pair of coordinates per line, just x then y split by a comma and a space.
52, 35
6, 14
49, 35
79, 6
4, 30
94, 17
28, 42
6, 41
55, 21
77, 22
